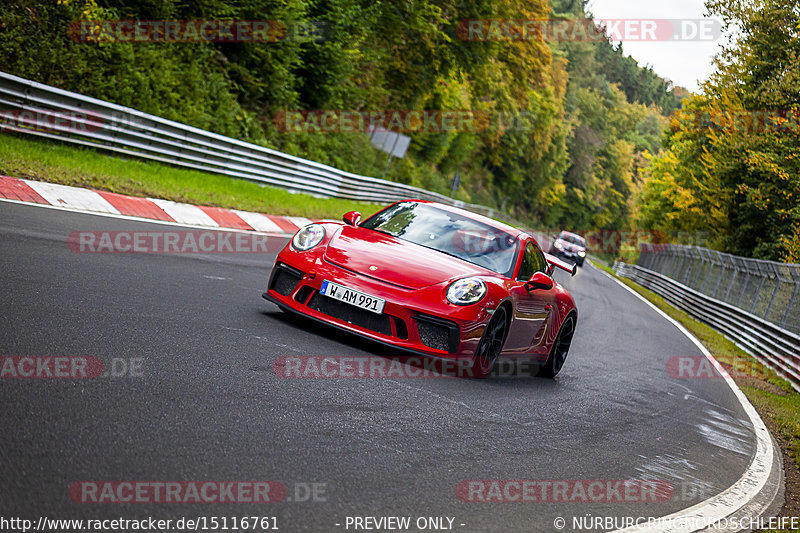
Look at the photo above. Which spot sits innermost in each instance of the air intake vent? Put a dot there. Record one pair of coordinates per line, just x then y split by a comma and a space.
285, 279
438, 333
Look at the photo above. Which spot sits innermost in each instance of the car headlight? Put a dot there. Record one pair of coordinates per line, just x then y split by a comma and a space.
308, 237
466, 291
582, 253
558, 245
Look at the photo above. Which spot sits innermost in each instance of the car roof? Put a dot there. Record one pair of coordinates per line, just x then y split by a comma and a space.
572, 234
516, 232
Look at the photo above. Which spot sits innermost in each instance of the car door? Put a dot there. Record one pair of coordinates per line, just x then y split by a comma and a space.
532, 310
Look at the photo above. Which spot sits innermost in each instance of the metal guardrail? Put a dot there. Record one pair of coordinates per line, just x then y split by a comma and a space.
767, 289
110, 127
771, 344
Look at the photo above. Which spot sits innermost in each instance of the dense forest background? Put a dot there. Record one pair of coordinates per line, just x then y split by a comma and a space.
608, 143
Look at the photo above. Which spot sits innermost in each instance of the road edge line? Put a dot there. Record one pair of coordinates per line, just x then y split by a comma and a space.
747, 489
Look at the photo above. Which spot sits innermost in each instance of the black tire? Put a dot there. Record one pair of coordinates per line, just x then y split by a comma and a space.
560, 349
491, 344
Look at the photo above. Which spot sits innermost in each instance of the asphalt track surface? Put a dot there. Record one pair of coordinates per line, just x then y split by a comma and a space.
208, 405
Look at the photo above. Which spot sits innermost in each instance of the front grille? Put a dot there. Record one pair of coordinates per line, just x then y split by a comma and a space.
284, 279
438, 333
350, 313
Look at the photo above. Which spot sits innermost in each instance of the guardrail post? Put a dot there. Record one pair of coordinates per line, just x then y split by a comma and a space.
796, 275
723, 268
697, 266
680, 268
661, 263
692, 260
700, 261
647, 256
762, 277
778, 281
730, 285
664, 258
665, 261
677, 260
746, 272
709, 268
643, 258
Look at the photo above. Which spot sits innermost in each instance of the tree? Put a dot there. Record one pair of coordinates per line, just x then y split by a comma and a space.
737, 149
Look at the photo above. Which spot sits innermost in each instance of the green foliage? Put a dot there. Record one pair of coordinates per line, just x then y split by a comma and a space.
615, 111
571, 125
640, 85
734, 153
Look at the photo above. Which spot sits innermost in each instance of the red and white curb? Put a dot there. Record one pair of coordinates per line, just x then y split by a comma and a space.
112, 204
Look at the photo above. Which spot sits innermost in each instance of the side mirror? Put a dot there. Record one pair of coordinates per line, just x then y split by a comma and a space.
540, 280
352, 218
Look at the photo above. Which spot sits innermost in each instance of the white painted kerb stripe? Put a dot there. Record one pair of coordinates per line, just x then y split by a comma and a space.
259, 222
72, 197
185, 213
298, 221
741, 493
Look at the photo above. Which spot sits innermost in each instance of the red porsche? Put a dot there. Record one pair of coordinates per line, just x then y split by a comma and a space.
432, 279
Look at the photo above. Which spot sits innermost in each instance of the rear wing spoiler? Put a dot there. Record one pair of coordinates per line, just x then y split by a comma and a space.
563, 265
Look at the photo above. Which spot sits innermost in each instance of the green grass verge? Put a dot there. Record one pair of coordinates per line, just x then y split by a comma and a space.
85, 167
773, 397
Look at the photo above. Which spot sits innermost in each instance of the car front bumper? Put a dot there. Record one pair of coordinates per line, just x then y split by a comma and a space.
420, 321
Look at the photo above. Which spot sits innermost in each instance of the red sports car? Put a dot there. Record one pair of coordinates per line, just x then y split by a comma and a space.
432, 279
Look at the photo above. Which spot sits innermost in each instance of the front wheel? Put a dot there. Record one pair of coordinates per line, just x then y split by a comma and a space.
491, 344
558, 354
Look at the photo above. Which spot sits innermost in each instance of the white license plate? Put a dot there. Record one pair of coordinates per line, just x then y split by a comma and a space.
352, 297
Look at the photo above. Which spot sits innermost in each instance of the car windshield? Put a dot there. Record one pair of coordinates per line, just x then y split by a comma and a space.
450, 233
572, 238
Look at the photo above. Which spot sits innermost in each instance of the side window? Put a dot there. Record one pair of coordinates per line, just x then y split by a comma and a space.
529, 263
533, 261
541, 262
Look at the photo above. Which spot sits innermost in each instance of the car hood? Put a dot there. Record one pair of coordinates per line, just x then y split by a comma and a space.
394, 260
